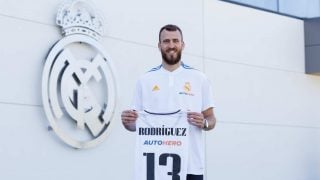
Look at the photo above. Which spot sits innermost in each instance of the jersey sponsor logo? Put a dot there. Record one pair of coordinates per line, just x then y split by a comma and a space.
155, 88
162, 143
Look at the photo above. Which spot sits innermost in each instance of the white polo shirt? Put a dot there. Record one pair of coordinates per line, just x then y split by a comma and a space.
184, 89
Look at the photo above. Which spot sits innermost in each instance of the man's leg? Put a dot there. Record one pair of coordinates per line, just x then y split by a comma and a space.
194, 177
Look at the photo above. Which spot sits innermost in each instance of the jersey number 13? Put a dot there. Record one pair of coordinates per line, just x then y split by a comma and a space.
176, 166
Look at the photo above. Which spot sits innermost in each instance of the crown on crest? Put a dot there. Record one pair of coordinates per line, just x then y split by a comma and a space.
79, 17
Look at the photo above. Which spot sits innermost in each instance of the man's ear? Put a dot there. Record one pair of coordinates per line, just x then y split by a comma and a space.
159, 47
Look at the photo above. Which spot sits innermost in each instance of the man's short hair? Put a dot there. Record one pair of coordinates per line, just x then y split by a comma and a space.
170, 27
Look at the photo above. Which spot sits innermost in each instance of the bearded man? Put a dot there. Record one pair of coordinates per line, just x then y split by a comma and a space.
173, 86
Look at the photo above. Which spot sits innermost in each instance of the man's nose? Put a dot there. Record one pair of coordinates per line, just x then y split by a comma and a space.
171, 44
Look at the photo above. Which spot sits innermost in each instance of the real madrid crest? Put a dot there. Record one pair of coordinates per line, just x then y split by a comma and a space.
78, 82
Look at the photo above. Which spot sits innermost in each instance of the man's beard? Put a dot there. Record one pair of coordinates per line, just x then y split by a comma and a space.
170, 58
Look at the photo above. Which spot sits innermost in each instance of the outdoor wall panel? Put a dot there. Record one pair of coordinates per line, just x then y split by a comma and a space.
261, 95
137, 21
23, 51
29, 151
140, 21
238, 34
253, 151
36, 10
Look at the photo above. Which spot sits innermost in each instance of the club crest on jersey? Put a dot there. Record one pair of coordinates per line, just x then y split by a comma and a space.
187, 89
78, 80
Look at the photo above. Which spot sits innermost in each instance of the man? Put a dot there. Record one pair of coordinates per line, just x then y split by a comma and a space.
175, 86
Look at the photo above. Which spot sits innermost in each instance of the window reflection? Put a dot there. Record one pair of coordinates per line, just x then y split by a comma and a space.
296, 8
265, 4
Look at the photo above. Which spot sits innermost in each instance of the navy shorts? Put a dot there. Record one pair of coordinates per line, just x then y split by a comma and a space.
194, 177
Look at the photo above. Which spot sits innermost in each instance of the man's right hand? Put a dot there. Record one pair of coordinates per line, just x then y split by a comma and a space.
129, 118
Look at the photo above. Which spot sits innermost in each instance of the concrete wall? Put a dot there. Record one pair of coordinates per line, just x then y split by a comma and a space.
267, 108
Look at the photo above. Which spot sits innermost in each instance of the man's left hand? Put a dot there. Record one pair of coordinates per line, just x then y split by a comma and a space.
196, 119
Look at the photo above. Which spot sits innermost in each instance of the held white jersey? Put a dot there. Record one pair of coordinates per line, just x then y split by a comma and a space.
185, 88
162, 147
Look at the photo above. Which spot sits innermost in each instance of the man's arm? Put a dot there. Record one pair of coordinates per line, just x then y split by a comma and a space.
129, 117
198, 119
210, 117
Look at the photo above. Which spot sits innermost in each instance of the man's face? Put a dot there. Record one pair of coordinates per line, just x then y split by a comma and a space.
171, 46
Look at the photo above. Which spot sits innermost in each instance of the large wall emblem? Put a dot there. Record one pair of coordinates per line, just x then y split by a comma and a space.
78, 83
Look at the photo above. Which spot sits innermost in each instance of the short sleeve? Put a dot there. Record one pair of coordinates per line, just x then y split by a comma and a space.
137, 97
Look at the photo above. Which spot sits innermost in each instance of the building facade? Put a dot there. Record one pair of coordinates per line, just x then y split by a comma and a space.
268, 124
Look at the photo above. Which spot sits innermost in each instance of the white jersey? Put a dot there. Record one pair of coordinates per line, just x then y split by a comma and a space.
162, 147
186, 89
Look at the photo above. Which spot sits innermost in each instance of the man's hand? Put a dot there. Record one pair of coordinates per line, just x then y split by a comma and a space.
196, 119
129, 118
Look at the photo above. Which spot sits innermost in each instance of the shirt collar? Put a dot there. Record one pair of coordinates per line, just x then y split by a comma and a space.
176, 71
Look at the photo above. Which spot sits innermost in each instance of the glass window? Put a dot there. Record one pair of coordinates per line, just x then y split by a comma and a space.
265, 4
296, 8
300, 8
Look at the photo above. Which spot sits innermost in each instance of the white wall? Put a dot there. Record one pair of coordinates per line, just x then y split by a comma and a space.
268, 120
267, 107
